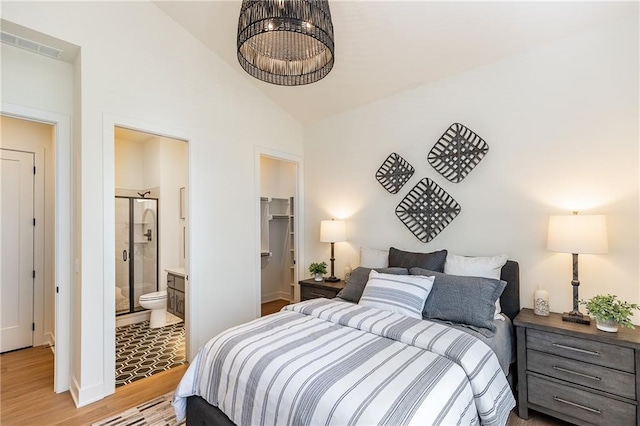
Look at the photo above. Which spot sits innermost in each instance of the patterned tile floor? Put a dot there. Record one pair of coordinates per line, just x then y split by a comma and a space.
141, 351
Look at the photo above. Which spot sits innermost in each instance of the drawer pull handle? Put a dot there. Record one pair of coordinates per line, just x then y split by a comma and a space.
573, 404
571, 348
317, 294
564, 370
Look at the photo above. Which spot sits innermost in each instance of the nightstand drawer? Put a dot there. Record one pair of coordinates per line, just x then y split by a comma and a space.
593, 376
314, 292
580, 404
589, 351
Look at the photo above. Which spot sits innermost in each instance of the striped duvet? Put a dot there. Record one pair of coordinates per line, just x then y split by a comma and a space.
324, 362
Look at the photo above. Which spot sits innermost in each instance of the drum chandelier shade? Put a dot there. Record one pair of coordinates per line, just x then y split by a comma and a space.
286, 42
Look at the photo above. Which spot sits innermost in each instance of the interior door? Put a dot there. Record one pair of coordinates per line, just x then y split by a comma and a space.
17, 233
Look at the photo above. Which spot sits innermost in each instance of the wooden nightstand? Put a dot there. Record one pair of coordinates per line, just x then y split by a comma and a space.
312, 289
576, 372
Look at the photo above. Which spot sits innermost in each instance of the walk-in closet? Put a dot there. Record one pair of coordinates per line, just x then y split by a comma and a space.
277, 230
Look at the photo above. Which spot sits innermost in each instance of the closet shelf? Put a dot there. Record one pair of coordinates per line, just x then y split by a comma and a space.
278, 216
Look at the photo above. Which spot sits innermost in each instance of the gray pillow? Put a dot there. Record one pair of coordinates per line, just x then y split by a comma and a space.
460, 299
433, 261
352, 291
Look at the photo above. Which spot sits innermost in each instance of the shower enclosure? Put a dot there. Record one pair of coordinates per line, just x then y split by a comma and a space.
136, 251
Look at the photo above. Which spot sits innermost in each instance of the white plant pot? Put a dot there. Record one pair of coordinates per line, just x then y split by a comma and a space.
607, 325
318, 277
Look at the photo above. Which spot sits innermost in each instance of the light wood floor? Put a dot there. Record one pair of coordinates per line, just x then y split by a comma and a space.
27, 397
274, 306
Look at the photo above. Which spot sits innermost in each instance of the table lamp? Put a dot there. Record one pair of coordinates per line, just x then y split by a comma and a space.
575, 234
333, 231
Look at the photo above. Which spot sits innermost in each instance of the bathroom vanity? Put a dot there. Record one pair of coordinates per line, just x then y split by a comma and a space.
175, 291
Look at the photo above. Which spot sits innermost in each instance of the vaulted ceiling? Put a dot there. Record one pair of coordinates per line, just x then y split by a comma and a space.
385, 47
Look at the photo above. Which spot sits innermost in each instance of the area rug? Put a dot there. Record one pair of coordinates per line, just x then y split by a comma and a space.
157, 412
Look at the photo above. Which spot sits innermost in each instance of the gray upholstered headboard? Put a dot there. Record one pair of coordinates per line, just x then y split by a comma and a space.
510, 299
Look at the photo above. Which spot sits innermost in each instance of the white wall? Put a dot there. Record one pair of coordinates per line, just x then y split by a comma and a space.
129, 170
562, 125
36, 81
173, 176
138, 65
277, 178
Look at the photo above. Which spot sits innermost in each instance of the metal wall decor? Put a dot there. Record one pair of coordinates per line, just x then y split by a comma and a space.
457, 152
394, 173
427, 209
286, 42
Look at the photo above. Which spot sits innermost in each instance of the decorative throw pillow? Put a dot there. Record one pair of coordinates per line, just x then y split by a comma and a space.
401, 294
374, 258
352, 291
460, 299
477, 266
433, 261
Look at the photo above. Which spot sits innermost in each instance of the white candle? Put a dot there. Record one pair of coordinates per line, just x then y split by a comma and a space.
541, 303
347, 272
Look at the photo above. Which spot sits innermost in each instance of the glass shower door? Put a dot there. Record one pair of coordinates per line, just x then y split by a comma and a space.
136, 253
122, 256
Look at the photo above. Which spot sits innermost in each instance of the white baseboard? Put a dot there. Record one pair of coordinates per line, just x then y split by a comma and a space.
51, 341
279, 295
40, 339
73, 390
85, 396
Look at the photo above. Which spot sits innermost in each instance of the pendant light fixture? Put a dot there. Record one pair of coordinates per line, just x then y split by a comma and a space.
286, 42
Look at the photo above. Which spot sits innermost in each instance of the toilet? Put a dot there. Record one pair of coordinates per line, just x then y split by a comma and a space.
157, 303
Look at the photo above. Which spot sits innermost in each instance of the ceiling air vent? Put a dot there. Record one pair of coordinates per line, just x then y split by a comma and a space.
39, 48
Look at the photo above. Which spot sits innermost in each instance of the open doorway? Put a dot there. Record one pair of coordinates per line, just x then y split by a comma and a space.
58, 225
151, 174
278, 232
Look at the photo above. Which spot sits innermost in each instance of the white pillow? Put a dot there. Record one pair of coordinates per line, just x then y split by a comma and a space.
373, 258
401, 294
477, 266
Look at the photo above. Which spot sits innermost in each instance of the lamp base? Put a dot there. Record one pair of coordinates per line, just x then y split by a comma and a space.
576, 317
332, 279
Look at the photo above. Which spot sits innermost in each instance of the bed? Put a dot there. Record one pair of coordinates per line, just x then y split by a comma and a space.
338, 362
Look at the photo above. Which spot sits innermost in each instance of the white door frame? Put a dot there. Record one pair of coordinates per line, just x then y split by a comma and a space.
298, 213
63, 234
109, 123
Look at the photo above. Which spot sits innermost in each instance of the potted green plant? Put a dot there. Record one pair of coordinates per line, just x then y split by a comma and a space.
610, 312
318, 269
